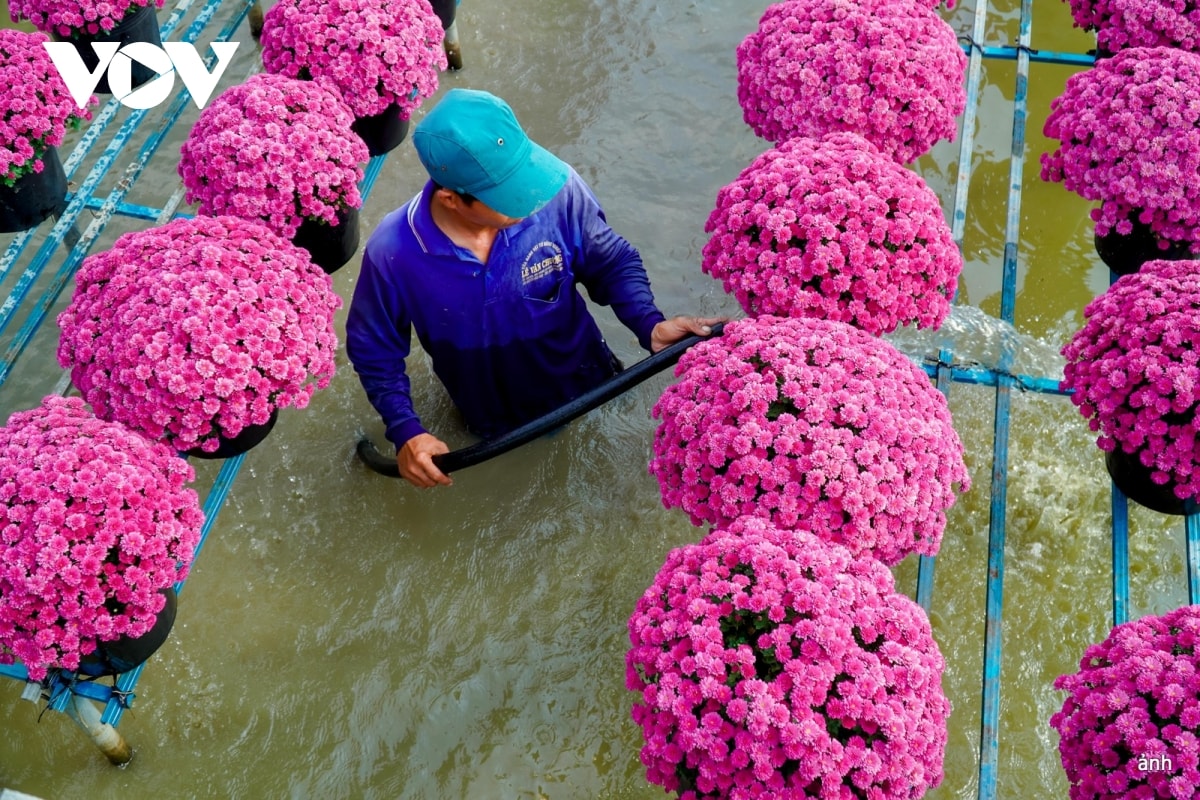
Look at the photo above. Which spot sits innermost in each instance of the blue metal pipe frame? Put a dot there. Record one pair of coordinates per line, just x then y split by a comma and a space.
62, 684
67, 270
98, 125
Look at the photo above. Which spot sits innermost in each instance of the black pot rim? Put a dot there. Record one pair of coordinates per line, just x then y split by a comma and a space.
250, 436
330, 247
1133, 479
115, 656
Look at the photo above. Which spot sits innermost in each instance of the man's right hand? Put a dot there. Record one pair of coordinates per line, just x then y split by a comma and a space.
415, 460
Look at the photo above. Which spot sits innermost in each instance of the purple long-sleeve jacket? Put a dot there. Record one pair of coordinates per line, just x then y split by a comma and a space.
511, 339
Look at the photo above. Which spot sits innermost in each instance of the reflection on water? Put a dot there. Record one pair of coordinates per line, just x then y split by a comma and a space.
346, 636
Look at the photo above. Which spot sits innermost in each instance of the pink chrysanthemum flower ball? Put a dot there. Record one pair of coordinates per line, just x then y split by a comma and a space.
811, 424
1139, 23
66, 18
832, 228
36, 108
374, 54
199, 328
890, 71
1128, 727
275, 149
1129, 133
1135, 373
95, 521
771, 664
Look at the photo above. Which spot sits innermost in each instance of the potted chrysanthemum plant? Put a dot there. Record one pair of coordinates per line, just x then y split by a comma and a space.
772, 664
831, 227
197, 332
892, 72
812, 424
96, 526
280, 150
1135, 378
1129, 138
36, 110
1127, 727
383, 58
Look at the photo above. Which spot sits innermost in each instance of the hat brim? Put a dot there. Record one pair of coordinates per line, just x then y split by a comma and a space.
529, 187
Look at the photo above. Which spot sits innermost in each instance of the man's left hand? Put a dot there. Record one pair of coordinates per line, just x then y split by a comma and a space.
670, 331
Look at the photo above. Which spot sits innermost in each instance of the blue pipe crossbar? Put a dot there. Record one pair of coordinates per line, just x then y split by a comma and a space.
1010, 53
131, 210
986, 376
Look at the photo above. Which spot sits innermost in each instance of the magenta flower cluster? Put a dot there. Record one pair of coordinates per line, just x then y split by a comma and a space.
1139, 23
1129, 133
275, 149
68, 17
812, 424
95, 520
835, 229
1135, 374
771, 664
35, 108
892, 72
373, 54
1128, 727
199, 328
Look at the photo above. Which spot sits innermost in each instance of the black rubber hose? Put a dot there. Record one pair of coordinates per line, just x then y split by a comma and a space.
478, 453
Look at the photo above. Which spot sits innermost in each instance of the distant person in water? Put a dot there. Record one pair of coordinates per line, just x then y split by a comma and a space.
483, 264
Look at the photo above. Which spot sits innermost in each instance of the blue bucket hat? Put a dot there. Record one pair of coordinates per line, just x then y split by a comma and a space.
472, 143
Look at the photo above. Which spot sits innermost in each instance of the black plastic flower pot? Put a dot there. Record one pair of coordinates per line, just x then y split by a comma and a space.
230, 446
1133, 479
123, 654
446, 10
1125, 253
330, 246
382, 132
34, 196
140, 24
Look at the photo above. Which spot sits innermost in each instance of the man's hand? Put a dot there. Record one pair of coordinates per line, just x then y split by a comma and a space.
670, 331
415, 460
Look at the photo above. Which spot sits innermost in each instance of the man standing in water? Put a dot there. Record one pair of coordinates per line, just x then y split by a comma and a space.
483, 265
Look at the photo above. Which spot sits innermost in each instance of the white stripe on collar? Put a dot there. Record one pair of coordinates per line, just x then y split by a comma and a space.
412, 226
